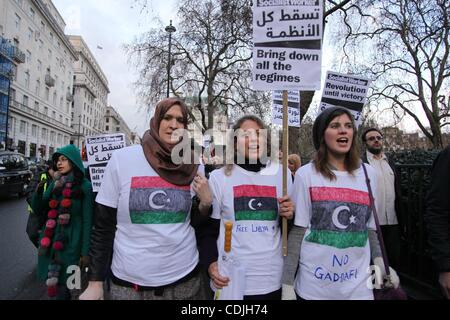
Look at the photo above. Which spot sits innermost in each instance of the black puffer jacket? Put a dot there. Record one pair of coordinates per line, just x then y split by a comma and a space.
437, 213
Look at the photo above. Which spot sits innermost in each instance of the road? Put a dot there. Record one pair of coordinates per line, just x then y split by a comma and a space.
18, 256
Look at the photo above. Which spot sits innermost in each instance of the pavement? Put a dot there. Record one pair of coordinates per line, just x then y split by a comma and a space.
18, 256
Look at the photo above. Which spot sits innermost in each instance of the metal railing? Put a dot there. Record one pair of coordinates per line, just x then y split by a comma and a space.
49, 80
18, 55
6, 48
416, 269
7, 69
11, 51
84, 81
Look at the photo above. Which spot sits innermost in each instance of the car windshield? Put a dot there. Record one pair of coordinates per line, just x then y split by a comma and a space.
13, 161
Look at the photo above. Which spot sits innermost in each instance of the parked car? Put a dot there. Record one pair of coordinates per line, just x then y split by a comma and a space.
15, 174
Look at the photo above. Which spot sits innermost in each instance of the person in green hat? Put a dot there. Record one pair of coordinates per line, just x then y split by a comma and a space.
64, 242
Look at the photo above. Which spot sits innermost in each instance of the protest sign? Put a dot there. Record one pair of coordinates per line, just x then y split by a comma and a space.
99, 150
293, 108
287, 44
347, 91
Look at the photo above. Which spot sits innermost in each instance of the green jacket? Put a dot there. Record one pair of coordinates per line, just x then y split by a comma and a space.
77, 232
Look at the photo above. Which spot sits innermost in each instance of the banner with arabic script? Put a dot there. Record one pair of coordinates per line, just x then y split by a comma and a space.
287, 38
99, 150
293, 108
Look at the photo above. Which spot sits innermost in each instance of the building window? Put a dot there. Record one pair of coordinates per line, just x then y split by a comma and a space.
25, 101
44, 133
39, 65
30, 34
27, 80
13, 94
49, 55
28, 56
117, 129
41, 44
47, 93
54, 115
34, 130
107, 128
107, 120
46, 111
54, 98
23, 125
31, 13
36, 106
17, 21
37, 90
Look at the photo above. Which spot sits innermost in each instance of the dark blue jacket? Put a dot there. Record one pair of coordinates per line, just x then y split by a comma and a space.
437, 213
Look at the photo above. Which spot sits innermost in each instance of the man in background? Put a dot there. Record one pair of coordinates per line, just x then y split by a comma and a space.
388, 195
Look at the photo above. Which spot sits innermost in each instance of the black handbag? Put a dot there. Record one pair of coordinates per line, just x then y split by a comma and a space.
388, 291
34, 225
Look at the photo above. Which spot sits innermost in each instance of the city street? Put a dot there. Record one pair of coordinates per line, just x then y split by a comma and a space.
17, 254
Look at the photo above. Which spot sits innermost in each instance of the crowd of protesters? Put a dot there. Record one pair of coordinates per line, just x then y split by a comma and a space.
156, 228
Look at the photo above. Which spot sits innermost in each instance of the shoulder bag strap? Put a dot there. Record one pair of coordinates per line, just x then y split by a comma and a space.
375, 216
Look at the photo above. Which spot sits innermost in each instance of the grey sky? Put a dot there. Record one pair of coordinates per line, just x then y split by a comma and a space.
110, 24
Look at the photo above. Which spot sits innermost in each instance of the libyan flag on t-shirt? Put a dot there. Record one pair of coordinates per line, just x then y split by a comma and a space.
153, 200
339, 217
252, 202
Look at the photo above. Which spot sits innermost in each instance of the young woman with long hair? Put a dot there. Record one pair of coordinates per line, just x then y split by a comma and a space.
333, 239
248, 192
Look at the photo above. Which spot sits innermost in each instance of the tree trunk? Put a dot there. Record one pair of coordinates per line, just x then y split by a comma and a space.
437, 136
210, 107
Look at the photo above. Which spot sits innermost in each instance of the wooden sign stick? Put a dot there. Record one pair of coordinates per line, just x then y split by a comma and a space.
285, 164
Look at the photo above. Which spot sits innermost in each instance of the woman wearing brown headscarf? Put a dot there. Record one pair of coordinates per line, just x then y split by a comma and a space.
142, 221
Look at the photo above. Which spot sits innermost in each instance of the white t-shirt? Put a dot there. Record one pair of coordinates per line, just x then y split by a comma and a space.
249, 200
386, 189
154, 244
335, 252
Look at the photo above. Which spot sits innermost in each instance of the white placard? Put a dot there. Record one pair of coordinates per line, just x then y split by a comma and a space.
99, 150
293, 108
287, 44
347, 91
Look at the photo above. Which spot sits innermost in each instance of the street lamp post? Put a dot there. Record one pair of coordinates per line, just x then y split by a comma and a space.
170, 29
79, 130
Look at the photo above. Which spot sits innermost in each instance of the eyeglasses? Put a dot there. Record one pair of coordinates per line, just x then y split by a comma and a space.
378, 138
